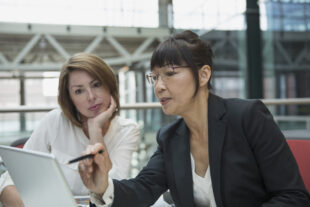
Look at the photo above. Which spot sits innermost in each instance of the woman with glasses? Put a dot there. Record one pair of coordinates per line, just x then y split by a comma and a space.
221, 152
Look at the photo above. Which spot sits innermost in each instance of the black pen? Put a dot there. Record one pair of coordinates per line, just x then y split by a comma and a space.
83, 157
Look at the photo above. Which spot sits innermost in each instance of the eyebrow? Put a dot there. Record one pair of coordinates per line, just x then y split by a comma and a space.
76, 86
80, 86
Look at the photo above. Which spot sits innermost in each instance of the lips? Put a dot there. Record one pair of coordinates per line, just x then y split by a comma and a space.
95, 107
164, 101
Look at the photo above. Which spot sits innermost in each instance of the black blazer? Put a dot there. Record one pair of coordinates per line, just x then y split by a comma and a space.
250, 161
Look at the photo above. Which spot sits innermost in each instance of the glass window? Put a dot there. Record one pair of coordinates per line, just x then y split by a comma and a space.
139, 13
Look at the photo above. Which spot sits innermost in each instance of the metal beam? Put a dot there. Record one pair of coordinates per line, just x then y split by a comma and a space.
267, 46
125, 60
287, 68
57, 66
3, 59
227, 62
24, 28
57, 46
31, 67
143, 46
165, 13
92, 46
142, 40
301, 55
27, 48
145, 56
283, 52
218, 45
22, 94
241, 53
254, 80
118, 46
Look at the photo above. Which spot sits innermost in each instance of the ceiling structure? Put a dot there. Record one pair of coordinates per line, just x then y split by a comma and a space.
38, 47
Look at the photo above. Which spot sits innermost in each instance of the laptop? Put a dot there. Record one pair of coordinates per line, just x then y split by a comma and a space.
38, 178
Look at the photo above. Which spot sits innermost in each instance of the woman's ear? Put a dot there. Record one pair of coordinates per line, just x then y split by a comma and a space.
204, 75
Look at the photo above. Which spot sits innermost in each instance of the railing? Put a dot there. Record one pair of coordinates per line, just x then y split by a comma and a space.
289, 101
148, 115
48, 108
19, 121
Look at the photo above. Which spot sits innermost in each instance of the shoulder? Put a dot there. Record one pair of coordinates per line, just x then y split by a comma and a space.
236, 107
55, 117
245, 106
54, 114
123, 122
237, 113
219, 107
248, 115
240, 104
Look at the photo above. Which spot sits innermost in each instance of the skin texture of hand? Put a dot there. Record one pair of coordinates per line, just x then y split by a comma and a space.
98, 125
10, 197
94, 171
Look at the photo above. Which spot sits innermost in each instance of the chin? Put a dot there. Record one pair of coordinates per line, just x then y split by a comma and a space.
92, 115
168, 112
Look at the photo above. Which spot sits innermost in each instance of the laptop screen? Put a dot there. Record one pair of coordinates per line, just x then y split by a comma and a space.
38, 178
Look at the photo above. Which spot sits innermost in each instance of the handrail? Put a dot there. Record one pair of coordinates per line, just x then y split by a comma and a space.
287, 101
153, 105
18, 109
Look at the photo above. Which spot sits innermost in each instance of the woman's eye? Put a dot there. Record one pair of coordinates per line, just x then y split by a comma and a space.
97, 84
78, 91
170, 73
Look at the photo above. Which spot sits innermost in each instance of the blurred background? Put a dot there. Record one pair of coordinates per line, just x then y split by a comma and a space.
262, 50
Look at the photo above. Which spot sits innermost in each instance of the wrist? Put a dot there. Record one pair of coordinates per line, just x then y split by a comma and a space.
100, 192
106, 198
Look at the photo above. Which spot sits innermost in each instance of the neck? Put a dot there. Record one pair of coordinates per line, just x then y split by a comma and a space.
197, 117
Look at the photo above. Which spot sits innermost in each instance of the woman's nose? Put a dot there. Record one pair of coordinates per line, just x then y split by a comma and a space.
91, 95
159, 85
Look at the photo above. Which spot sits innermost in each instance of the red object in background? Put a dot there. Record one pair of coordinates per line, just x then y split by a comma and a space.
19, 143
301, 152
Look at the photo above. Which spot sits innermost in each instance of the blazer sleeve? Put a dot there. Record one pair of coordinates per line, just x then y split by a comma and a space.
146, 188
277, 164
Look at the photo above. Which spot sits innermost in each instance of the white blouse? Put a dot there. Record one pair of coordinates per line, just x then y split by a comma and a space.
202, 187
57, 135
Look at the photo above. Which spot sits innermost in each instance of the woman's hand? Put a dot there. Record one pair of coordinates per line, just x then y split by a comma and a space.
10, 197
94, 171
98, 125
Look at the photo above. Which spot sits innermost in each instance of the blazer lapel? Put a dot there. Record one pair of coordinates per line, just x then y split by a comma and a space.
180, 153
181, 165
217, 128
